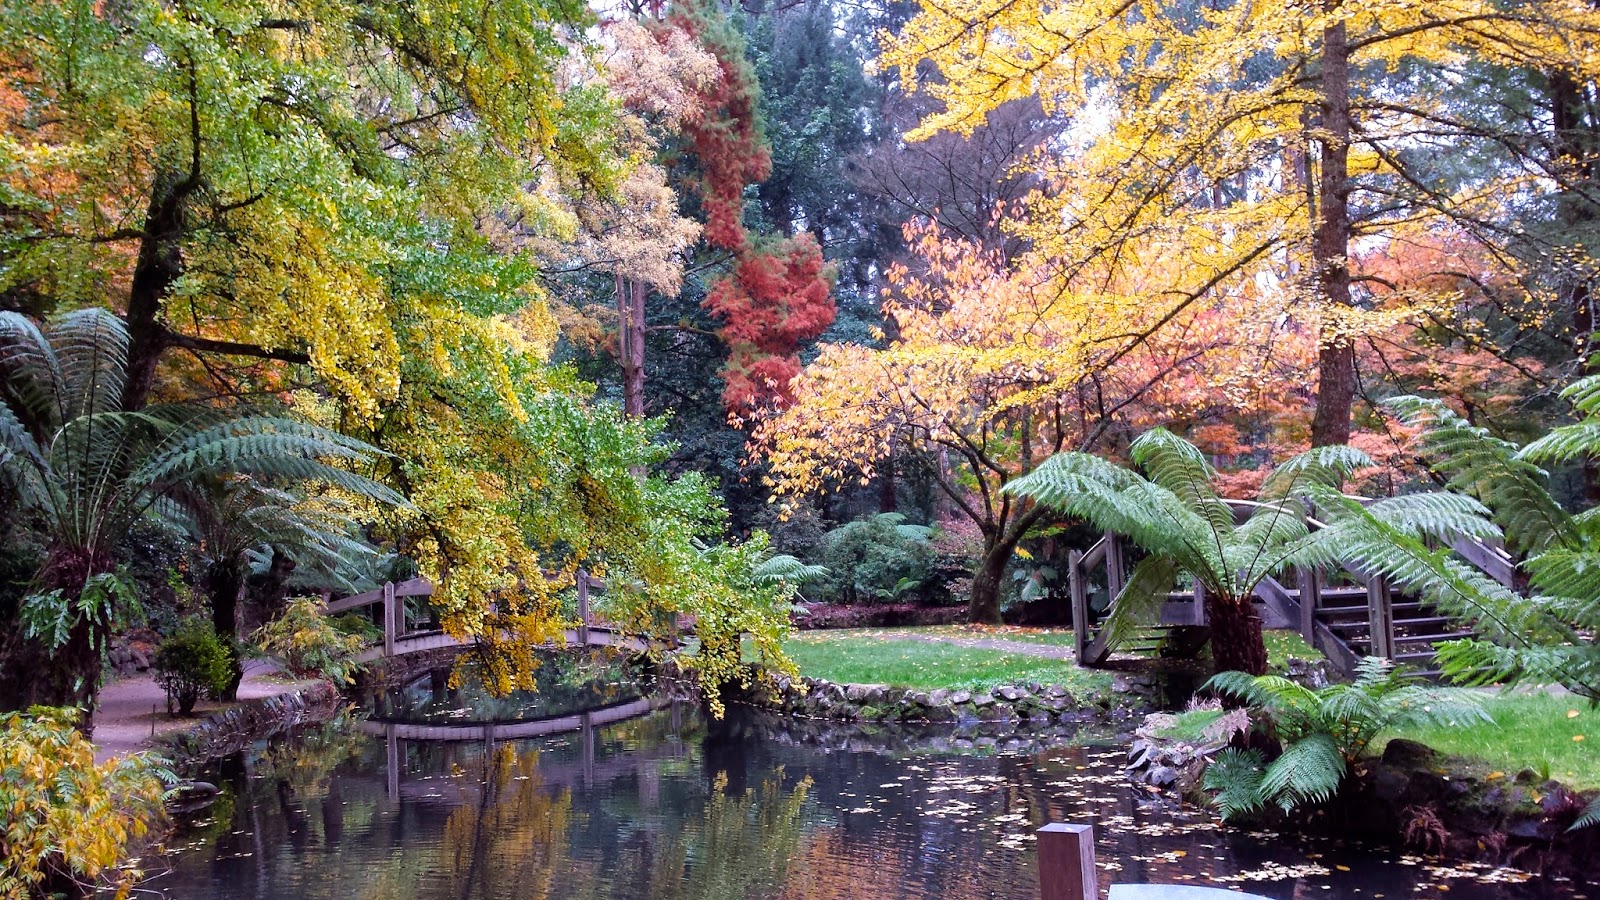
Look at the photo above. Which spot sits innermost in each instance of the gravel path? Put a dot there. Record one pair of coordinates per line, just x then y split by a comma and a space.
132, 712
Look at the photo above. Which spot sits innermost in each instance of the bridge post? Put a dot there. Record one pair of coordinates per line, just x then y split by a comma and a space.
388, 618
583, 606
1079, 594
1197, 611
1380, 617
1310, 598
1066, 863
1115, 573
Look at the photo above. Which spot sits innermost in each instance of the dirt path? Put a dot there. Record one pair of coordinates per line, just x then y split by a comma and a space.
1043, 651
132, 713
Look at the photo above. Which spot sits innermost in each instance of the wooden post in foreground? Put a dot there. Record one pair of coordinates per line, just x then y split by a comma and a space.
1066, 863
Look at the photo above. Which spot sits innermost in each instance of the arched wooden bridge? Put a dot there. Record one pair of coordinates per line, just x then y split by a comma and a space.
1346, 614
400, 637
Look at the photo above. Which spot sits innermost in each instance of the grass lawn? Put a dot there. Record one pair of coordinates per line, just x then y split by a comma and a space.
876, 656
1531, 731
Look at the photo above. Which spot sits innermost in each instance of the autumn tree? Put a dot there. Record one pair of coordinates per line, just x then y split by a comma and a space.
991, 371
1270, 139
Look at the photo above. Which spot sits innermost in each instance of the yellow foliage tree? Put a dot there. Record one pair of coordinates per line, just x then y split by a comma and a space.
1269, 141
994, 368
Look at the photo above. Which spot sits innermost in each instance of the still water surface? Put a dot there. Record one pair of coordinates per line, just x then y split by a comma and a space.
669, 805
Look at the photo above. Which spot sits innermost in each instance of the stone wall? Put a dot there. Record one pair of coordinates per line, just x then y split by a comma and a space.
237, 727
815, 698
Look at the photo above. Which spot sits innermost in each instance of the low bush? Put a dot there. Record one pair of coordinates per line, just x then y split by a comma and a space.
879, 559
310, 644
882, 615
191, 662
69, 823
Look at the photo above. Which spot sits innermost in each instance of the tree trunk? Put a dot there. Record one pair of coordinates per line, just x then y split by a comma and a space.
1330, 245
1576, 141
630, 344
158, 267
984, 607
1236, 644
67, 675
224, 585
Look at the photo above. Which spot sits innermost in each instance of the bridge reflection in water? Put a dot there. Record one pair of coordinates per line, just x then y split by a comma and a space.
490, 733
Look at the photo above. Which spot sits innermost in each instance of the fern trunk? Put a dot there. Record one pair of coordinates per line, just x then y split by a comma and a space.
1236, 643
224, 584
68, 675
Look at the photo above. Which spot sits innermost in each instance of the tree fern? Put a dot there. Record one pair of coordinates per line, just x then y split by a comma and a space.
1175, 514
82, 471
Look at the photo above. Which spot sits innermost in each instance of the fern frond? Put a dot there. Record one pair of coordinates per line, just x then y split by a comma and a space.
1233, 778
783, 568
1139, 603
30, 373
91, 346
1180, 467
1310, 770
1590, 816
1327, 467
1490, 469
1442, 515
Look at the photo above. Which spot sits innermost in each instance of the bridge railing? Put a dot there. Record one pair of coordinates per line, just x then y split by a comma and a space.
395, 617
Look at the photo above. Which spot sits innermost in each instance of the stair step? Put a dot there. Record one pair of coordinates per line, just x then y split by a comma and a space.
1434, 638
1409, 606
1347, 626
1425, 620
1408, 657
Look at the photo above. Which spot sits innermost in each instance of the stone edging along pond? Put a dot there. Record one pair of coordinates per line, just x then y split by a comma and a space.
816, 698
237, 727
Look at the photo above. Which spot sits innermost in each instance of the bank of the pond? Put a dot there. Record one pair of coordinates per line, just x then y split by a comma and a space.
1410, 796
131, 714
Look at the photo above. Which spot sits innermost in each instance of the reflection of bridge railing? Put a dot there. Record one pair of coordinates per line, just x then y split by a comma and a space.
489, 734
1365, 617
399, 638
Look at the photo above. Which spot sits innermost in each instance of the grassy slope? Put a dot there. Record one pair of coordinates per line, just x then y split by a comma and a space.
1530, 731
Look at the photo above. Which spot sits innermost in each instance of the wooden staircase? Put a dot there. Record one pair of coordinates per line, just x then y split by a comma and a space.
1347, 615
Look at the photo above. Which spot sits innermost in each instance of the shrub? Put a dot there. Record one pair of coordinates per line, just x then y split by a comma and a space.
193, 661
309, 644
68, 822
1319, 733
879, 559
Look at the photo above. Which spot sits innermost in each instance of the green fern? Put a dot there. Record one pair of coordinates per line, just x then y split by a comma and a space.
1547, 633
81, 471
1322, 732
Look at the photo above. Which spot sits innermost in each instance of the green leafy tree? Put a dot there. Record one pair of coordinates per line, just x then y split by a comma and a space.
82, 471
1320, 733
229, 518
878, 558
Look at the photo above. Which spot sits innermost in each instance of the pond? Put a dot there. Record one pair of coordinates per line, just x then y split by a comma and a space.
671, 805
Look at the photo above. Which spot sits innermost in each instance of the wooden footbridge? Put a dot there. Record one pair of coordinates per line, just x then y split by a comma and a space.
1345, 613
405, 633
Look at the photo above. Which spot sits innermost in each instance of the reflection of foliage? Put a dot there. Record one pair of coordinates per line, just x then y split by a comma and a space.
1322, 732
307, 762
741, 842
310, 644
68, 821
515, 835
